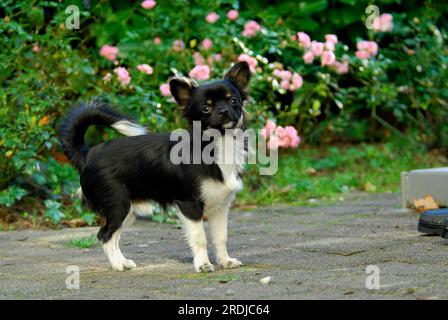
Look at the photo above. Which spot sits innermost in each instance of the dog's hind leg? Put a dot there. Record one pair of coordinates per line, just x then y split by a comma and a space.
110, 233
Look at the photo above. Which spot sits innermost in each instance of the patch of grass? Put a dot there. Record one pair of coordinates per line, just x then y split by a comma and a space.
226, 278
83, 243
327, 173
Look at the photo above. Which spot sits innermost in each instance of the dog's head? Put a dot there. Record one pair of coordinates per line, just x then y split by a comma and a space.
217, 104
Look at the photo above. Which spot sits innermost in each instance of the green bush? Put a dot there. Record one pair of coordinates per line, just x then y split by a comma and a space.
46, 68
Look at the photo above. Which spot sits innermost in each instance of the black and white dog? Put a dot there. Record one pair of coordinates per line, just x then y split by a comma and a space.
120, 177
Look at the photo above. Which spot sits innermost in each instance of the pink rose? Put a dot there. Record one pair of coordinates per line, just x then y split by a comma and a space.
36, 48
296, 82
383, 23
165, 89
366, 49
286, 75
109, 52
198, 59
212, 17
317, 48
304, 39
207, 44
251, 28
145, 68
372, 48
201, 72
341, 67
308, 57
157, 40
123, 75
331, 38
292, 137
266, 131
273, 142
284, 84
178, 45
328, 58
329, 46
232, 15
217, 57
107, 77
252, 62
148, 4
362, 54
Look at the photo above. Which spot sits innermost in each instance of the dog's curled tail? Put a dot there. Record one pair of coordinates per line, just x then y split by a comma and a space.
80, 118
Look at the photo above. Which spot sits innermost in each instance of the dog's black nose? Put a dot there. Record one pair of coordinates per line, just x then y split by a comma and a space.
224, 112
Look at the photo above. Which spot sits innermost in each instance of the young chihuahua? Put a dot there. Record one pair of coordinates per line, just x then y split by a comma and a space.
121, 177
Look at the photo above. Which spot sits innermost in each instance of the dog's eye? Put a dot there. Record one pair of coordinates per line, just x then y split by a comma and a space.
233, 100
206, 108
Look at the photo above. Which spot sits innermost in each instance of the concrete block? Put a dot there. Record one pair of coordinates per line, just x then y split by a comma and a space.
418, 183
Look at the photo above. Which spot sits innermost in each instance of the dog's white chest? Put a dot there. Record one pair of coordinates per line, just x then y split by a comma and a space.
230, 159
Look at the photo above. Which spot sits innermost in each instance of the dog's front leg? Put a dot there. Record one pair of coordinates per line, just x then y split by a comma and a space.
194, 231
218, 228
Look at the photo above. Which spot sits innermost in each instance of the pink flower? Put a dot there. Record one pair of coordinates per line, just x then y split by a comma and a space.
201, 72
366, 49
148, 4
328, 58
107, 77
123, 75
284, 84
329, 46
251, 61
212, 17
331, 38
198, 59
217, 57
292, 139
304, 39
341, 67
157, 40
280, 137
251, 28
362, 54
232, 15
178, 45
207, 44
165, 89
36, 48
273, 142
308, 57
286, 75
145, 68
383, 23
372, 48
317, 48
109, 52
297, 82
266, 131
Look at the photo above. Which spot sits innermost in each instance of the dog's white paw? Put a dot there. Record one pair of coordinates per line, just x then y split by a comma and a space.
129, 264
204, 267
123, 265
230, 263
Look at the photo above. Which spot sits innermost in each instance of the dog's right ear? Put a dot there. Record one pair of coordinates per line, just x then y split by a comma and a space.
182, 89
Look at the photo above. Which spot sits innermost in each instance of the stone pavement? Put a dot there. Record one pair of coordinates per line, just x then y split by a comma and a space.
318, 252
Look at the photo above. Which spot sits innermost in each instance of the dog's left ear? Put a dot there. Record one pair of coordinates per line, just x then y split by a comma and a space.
239, 75
182, 88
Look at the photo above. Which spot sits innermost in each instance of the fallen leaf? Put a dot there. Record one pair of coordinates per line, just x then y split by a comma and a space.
266, 280
44, 121
369, 187
74, 223
425, 204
